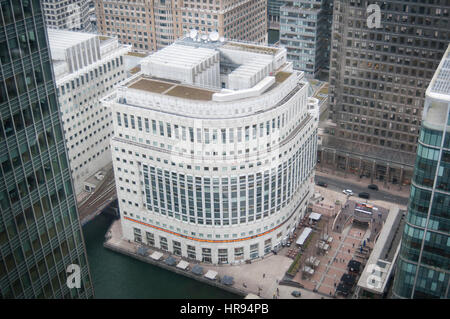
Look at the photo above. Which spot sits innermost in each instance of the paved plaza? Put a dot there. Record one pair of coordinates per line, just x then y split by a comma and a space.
262, 276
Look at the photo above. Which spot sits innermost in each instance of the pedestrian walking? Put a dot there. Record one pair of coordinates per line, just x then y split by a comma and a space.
264, 275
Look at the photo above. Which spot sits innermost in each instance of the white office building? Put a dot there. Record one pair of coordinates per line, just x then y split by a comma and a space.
87, 67
73, 15
213, 150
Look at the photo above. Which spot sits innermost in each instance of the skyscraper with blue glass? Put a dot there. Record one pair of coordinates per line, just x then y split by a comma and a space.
40, 233
424, 259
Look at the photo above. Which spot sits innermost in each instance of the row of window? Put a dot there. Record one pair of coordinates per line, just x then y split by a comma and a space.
172, 194
204, 254
201, 135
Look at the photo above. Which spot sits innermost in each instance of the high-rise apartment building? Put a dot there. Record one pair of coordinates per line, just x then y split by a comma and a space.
86, 67
214, 150
150, 25
67, 14
424, 259
305, 31
378, 77
273, 13
40, 232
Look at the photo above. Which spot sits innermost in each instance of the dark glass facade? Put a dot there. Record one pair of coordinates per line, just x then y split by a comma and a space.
424, 260
40, 232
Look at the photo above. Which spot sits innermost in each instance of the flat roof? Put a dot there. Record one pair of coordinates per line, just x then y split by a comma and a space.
281, 76
378, 269
150, 85
303, 236
64, 39
439, 86
251, 47
172, 89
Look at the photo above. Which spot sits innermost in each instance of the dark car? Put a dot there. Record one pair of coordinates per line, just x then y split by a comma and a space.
373, 186
364, 195
321, 184
296, 293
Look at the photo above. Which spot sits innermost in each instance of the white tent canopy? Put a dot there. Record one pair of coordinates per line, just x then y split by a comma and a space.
211, 274
303, 236
156, 255
315, 216
182, 264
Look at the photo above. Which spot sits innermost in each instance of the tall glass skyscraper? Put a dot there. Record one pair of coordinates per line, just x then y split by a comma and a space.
424, 259
40, 233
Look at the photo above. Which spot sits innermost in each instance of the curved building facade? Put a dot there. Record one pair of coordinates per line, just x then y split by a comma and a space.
213, 150
424, 258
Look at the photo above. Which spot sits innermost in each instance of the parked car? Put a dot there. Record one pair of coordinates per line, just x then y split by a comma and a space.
319, 183
348, 192
296, 293
373, 186
364, 195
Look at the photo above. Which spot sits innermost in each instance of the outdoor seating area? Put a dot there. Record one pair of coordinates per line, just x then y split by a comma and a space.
307, 271
211, 274
313, 262
184, 265
198, 270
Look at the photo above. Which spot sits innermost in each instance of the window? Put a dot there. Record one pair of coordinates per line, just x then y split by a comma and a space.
223, 256
163, 243
206, 255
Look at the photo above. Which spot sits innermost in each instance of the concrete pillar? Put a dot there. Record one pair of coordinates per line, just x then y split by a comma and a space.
334, 158
359, 168
372, 173
386, 177
346, 165
401, 179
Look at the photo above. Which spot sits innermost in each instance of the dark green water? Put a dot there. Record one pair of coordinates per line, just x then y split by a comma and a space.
118, 276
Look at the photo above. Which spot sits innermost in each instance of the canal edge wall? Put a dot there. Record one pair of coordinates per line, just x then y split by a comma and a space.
175, 270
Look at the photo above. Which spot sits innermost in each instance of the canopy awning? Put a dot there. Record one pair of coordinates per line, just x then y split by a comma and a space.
142, 251
315, 216
211, 274
156, 255
347, 279
301, 239
227, 280
198, 270
170, 261
354, 265
343, 289
183, 264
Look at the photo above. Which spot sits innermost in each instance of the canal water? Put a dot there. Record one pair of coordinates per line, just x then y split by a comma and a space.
118, 276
